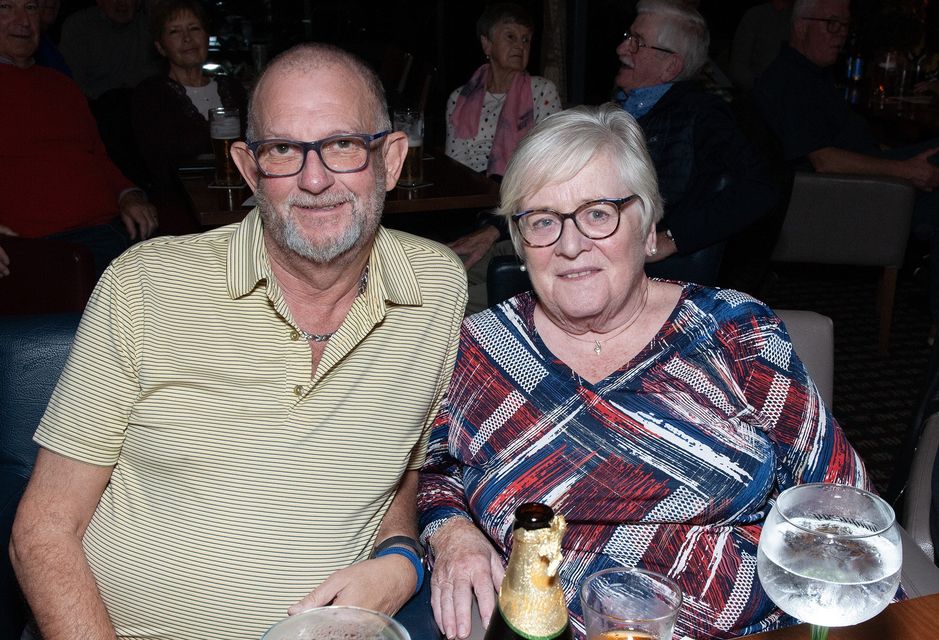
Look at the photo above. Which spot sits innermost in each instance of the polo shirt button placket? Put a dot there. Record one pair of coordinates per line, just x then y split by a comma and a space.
298, 390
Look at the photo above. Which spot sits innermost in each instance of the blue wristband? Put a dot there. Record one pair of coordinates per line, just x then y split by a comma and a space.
410, 555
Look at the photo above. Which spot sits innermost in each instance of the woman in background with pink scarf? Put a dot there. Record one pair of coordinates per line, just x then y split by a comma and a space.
488, 115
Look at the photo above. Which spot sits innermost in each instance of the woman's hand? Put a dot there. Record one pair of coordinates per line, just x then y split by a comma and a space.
472, 247
465, 564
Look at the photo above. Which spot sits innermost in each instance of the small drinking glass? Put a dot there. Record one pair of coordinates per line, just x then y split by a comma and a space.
337, 623
830, 555
225, 129
410, 121
629, 604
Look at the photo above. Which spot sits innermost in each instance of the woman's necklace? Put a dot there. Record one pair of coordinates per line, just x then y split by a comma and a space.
597, 344
323, 337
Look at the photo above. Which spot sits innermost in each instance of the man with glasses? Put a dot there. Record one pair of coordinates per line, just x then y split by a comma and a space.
710, 178
818, 130
243, 412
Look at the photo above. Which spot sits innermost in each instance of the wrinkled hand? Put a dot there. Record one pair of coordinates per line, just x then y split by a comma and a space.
4, 258
472, 247
923, 174
465, 564
139, 216
381, 584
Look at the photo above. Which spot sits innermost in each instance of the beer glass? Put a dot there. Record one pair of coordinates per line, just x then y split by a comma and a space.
225, 129
411, 122
337, 623
629, 604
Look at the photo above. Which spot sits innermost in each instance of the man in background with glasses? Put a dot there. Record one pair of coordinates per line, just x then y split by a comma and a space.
819, 131
711, 180
242, 416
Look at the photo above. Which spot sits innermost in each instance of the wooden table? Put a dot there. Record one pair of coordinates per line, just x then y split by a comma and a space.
452, 186
916, 619
902, 121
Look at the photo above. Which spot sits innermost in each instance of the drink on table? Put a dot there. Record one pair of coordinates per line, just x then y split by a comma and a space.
411, 122
830, 555
531, 602
337, 623
225, 129
629, 604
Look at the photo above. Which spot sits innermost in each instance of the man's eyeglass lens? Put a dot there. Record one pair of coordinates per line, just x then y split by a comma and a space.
596, 219
634, 43
339, 154
832, 24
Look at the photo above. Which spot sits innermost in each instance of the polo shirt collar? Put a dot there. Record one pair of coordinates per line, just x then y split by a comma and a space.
391, 278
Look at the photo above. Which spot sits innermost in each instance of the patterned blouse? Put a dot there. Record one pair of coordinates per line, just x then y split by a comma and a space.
474, 153
671, 463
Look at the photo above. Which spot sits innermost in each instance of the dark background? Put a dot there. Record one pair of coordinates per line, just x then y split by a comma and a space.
441, 34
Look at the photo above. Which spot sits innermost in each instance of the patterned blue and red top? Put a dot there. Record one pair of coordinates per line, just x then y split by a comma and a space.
671, 463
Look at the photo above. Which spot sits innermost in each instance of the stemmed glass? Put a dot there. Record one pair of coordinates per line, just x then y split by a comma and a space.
830, 555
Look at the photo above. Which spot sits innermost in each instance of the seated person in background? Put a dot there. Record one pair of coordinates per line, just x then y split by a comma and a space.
245, 410
488, 115
170, 111
660, 418
762, 30
712, 180
109, 50
108, 46
818, 130
57, 180
48, 54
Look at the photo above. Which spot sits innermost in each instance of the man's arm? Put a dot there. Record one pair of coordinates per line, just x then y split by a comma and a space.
917, 169
381, 584
46, 548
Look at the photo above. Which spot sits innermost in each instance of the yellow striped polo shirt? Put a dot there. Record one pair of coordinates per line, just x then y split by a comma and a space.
241, 480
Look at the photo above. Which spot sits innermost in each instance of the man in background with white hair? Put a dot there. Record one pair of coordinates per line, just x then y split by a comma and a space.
711, 179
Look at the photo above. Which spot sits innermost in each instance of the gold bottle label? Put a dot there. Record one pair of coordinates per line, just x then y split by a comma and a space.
531, 599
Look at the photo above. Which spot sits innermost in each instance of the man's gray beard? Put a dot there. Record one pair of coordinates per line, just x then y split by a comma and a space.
365, 217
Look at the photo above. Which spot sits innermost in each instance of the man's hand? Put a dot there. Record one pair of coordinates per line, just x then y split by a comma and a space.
139, 216
465, 564
472, 247
4, 258
923, 174
381, 584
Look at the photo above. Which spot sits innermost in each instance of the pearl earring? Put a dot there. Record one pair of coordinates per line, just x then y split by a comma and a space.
522, 267
654, 250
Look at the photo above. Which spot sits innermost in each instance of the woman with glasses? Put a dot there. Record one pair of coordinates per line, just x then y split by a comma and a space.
488, 115
170, 114
659, 417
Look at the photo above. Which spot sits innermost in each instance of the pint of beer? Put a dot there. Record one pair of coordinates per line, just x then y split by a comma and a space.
411, 122
225, 128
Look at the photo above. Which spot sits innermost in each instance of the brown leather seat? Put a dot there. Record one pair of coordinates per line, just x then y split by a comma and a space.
46, 276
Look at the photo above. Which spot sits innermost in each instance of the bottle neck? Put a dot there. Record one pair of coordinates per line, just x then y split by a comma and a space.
531, 599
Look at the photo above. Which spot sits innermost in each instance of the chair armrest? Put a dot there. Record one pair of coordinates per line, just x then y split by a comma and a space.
918, 502
846, 219
918, 576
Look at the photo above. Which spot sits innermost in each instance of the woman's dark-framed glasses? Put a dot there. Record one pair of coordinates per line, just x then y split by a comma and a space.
634, 43
343, 153
834, 25
597, 219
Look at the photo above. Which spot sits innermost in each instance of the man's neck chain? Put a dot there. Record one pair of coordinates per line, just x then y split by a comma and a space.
323, 337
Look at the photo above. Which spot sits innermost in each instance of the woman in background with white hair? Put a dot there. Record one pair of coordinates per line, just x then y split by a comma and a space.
660, 418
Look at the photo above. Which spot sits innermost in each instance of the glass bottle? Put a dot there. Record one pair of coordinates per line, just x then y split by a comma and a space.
531, 602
